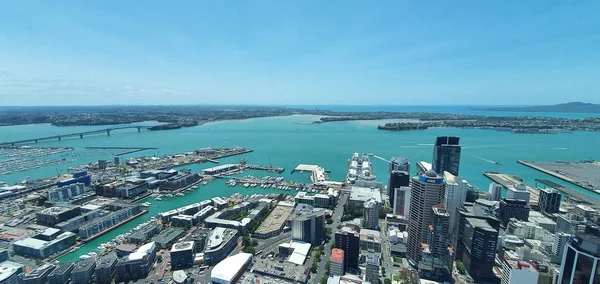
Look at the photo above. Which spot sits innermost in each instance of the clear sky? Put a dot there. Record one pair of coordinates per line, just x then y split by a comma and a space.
397, 52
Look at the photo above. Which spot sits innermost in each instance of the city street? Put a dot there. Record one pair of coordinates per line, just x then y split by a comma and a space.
387, 261
336, 216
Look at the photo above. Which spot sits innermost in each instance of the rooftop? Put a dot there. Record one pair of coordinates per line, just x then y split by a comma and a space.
229, 267
218, 236
337, 255
372, 235
276, 219
365, 193
520, 265
300, 252
480, 224
8, 268
182, 246
373, 259
40, 244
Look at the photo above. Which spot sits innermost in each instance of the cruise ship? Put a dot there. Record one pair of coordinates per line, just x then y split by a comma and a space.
359, 169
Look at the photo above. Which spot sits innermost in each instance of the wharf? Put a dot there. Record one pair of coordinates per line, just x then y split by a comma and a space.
508, 181
211, 158
572, 172
264, 168
571, 193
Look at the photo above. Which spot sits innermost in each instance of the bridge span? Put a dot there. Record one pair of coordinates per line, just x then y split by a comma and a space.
70, 135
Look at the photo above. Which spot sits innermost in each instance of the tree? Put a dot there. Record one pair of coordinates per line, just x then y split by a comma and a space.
324, 279
327, 266
246, 241
254, 242
339, 227
332, 246
314, 267
159, 258
461, 268
383, 270
387, 281
251, 250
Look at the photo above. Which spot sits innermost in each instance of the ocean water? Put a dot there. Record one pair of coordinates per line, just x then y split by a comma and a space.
292, 140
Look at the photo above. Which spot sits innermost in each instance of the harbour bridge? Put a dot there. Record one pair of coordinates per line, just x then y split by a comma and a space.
70, 135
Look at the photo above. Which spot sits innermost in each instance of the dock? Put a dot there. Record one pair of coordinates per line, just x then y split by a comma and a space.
571, 193
131, 150
508, 181
264, 168
568, 172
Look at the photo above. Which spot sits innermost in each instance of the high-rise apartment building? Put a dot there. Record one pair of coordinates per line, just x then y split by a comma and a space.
456, 194
479, 241
549, 200
371, 214
309, 228
558, 246
372, 268
446, 155
427, 190
348, 239
337, 262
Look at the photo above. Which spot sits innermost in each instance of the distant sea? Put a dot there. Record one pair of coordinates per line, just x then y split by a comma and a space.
292, 140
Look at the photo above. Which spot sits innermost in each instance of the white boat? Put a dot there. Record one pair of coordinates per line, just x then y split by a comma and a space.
180, 194
146, 204
158, 198
204, 182
84, 257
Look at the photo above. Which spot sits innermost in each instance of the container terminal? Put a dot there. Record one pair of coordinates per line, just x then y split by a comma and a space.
585, 174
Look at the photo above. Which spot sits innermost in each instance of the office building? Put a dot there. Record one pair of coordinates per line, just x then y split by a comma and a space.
38, 275
525, 230
516, 271
495, 191
61, 274
446, 155
44, 244
513, 208
549, 200
518, 192
309, 227
182, 254
471, 210
137, 264
571, 223
479, 241
83, 271
371, 214
396, 179
438, 240
399, 164
221, 242
427, 190
456, 194
337, 262
10, 271
558, 246
401, 205
106, 268
436, 262
585, 211
54, 215
348, 239
360, 195
581, 260
372, 268
370, 240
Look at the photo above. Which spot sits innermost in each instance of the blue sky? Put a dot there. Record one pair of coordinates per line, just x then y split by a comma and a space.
299, 52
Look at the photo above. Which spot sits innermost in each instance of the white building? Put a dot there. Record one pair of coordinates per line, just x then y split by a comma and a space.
456, 194
518, 272
65, 193
518, 192
558, 245
230, 269
525, 230
495, 191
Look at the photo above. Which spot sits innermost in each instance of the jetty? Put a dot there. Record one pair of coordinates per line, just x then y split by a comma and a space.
71, 135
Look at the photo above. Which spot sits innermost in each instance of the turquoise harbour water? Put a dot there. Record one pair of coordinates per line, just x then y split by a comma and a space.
289, 141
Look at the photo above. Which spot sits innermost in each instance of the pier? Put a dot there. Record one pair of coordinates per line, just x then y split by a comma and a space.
572, 172
508, 181
71, 135
264, 168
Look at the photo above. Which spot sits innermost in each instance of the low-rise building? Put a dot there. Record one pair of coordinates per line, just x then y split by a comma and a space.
136, 265
230, 269
360, 195
120, 213
274, 223
370, 240
518, 272
9, 272
168, 237
106, 268
54, 215
61, 274
144, 234
220, 242
83, 271
44, 244
182, 254
38, 275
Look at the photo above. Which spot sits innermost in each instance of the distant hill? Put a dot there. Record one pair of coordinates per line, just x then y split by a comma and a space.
572, 107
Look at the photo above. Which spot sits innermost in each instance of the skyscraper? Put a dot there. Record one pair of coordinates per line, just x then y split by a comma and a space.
558, 246
549, 201
456, 194
399, 164
402, 201
581, 260
446, 155
348, 239
372, 268
397, 179
436, 261
371, 214
427, 190
495, 191
479, 242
